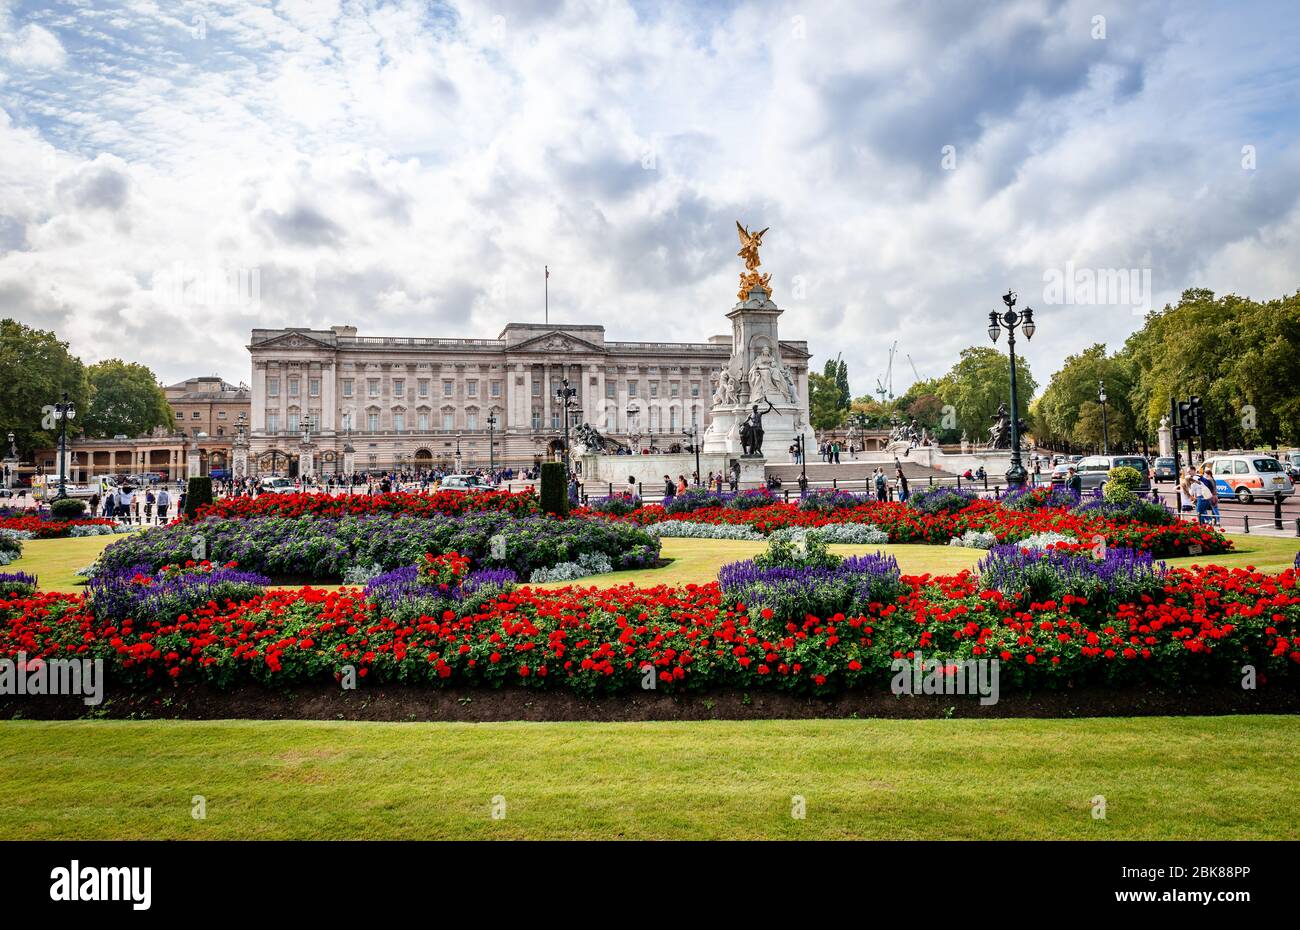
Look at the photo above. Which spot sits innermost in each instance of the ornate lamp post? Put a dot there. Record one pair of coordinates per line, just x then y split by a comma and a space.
1010, 320
458, 469
492, 425
693, 434
64, 412
564, 397
1105, 430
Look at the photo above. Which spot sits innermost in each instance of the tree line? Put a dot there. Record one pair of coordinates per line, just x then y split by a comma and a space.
112, 397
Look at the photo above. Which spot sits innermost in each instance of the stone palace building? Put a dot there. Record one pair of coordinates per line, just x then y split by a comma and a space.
327, 399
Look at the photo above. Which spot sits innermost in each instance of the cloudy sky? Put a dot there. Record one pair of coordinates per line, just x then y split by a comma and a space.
174, 174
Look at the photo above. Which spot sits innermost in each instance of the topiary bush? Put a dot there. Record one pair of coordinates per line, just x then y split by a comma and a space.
198, 494
67, 508
1121, 482
554, 495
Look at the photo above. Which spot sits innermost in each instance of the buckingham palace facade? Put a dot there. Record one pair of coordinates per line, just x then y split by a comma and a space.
323, 399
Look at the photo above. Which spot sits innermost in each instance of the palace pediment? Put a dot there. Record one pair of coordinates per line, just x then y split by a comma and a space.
557, 341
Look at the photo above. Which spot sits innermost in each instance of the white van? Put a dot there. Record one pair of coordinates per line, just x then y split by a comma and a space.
1250, 476
275, 485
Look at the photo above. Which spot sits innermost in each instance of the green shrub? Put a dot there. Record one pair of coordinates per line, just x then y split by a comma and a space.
1121, 482
67, 508
554, 495
198, 493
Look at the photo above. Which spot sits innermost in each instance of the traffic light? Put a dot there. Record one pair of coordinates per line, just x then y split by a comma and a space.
1182, 420
1198, 417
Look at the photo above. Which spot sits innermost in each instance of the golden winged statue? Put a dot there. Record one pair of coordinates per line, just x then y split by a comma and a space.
749, 243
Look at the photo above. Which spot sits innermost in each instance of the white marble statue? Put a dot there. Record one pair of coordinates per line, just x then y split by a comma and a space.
725, 393
765, 378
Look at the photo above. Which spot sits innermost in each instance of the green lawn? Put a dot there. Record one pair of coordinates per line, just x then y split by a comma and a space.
55, 560
1162, 778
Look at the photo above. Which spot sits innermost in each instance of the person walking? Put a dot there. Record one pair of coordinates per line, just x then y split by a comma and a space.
881, 484
1212, 498
901, 480
681, 484
149, 501
164, 502
670, 489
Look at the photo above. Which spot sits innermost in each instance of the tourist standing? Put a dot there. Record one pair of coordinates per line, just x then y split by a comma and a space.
901, 480
164, 502
880, 484
669, 488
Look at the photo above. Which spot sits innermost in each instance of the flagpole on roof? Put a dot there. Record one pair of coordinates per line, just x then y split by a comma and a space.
546, 294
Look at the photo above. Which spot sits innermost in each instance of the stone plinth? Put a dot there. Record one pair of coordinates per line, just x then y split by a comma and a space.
756, 374
598, 472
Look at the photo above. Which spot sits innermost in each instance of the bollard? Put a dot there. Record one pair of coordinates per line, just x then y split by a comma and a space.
986, 481
932, 481
1277, 510
787, 495
835, 483
611, 489
1245, 523
959, 482
640, 491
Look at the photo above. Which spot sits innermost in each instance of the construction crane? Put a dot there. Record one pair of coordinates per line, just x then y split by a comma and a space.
885, 384
913, 364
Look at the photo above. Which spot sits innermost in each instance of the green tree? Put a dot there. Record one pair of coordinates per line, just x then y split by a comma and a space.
978, 383
35, 369
1240, 356
1059, 413
124, 399
823, 402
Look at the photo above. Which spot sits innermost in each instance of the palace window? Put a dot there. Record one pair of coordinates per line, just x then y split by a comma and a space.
495, 389
631, 389
537, 418
471, 420
293, 387
424, 422
611, 390
674, 389
221, 414
180, 414
695, 389
672, 419
399, 387
313, 387
347, 387
654, 388
471, 388
537, 388
448, 419
372, 386
272, 422
423, 387
448, 388
372, 422
195, 415
272, 387
399, 422
293, 422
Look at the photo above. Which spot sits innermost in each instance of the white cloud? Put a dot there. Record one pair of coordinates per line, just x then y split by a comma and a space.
410, 169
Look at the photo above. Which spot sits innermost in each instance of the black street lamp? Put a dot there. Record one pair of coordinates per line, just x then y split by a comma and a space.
458, 468
564, 397
693, 434
1105, 429
63, 412
492, 425
1010, 320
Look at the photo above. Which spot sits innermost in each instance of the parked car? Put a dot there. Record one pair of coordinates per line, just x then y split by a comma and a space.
1164, 469
1094, 470
1060, 474
1291, 464
275, 485
1250, 477
461, 483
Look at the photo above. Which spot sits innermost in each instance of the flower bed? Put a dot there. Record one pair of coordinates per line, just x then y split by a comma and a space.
45, 527
943, 514
439, 503
1188, 626
324, 548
